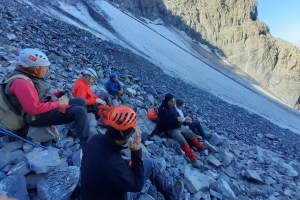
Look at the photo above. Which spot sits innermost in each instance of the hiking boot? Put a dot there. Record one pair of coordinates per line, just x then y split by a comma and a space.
189, 152
195, 143
195, 164
178, 188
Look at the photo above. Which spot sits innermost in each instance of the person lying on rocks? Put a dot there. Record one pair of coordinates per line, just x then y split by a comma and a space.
106, 175
171, 122
114, 88
83, 90
31, 96
194, 125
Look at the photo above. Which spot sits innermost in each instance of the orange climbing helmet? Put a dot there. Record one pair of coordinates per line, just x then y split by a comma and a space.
152, 115
122, 118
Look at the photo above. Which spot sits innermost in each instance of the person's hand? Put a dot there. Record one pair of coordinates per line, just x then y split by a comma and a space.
179, 119
63, 102
121, 92
188, 118
100, 101
135, 144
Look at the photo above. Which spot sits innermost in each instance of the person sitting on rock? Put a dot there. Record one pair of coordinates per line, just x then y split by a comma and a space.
171, 122
32, 98
106, 175
114, 88
83, 90
194, 125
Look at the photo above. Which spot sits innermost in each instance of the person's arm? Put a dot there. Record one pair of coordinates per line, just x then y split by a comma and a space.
110, 88
129, 179
165, 119
29, 98
81, 93
119, 85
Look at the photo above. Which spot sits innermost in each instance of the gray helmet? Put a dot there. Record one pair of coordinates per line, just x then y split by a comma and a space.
32, 58
91, 72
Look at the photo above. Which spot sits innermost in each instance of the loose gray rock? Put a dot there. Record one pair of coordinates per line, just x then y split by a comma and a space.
27, 148
195, 181
12, 146
22, 168
58, 185
213, 160
6, 158
76, 158
14, 186
253, 175
227, 157
225, 189
43, 161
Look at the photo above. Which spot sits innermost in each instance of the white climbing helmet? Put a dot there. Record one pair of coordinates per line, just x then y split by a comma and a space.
32, 58
91, 72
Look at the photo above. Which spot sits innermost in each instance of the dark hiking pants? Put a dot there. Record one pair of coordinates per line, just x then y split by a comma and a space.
76, 113
196, 127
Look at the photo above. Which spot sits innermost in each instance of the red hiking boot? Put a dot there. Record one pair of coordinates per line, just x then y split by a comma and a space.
197, 144
189, 152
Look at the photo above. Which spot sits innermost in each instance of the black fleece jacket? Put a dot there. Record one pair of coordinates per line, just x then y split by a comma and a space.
105, 175
168, 117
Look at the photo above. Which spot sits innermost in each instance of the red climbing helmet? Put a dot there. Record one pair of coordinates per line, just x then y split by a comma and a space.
122, 118
152, 115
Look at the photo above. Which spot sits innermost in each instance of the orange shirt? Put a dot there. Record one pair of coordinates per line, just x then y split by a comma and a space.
83, 90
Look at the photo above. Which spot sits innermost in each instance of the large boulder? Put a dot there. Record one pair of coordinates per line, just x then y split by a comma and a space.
58, 185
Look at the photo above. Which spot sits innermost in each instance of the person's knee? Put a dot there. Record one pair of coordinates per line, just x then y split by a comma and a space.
149, 162
78, 102
80, 111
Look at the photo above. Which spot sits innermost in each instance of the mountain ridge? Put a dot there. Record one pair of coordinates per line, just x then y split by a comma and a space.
233, 27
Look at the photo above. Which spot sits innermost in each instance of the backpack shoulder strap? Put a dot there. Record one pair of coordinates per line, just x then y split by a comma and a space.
18, 76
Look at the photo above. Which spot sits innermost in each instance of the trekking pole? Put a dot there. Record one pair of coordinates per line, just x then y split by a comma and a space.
9, 133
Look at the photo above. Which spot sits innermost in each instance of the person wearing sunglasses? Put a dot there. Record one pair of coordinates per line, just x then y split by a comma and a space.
29, 93
106, 175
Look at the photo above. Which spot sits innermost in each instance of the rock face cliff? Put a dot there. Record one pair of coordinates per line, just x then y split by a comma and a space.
233, 27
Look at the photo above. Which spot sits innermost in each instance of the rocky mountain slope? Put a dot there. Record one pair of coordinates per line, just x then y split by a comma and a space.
248, 157
233, 27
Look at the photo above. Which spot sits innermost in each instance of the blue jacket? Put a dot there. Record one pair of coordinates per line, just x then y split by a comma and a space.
105, 175
113, 88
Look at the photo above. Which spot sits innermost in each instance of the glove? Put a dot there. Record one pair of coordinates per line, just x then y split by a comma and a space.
100, 101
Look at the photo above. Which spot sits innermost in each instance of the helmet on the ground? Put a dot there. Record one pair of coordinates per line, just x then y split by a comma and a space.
152, 115
32, 58
112, 75
91, 72
122, 118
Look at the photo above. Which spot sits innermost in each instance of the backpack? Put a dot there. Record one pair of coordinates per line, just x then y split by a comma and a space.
9, 117
103, 111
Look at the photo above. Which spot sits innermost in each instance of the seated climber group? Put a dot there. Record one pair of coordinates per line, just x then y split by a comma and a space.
104, 173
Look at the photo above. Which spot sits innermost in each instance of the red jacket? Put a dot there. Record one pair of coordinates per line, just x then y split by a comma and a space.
29, 98
83, 90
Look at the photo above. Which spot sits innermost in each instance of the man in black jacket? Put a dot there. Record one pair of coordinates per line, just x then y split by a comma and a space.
105, 175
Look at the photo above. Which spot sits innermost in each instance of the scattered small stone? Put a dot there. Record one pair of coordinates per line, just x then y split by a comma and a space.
253, 176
